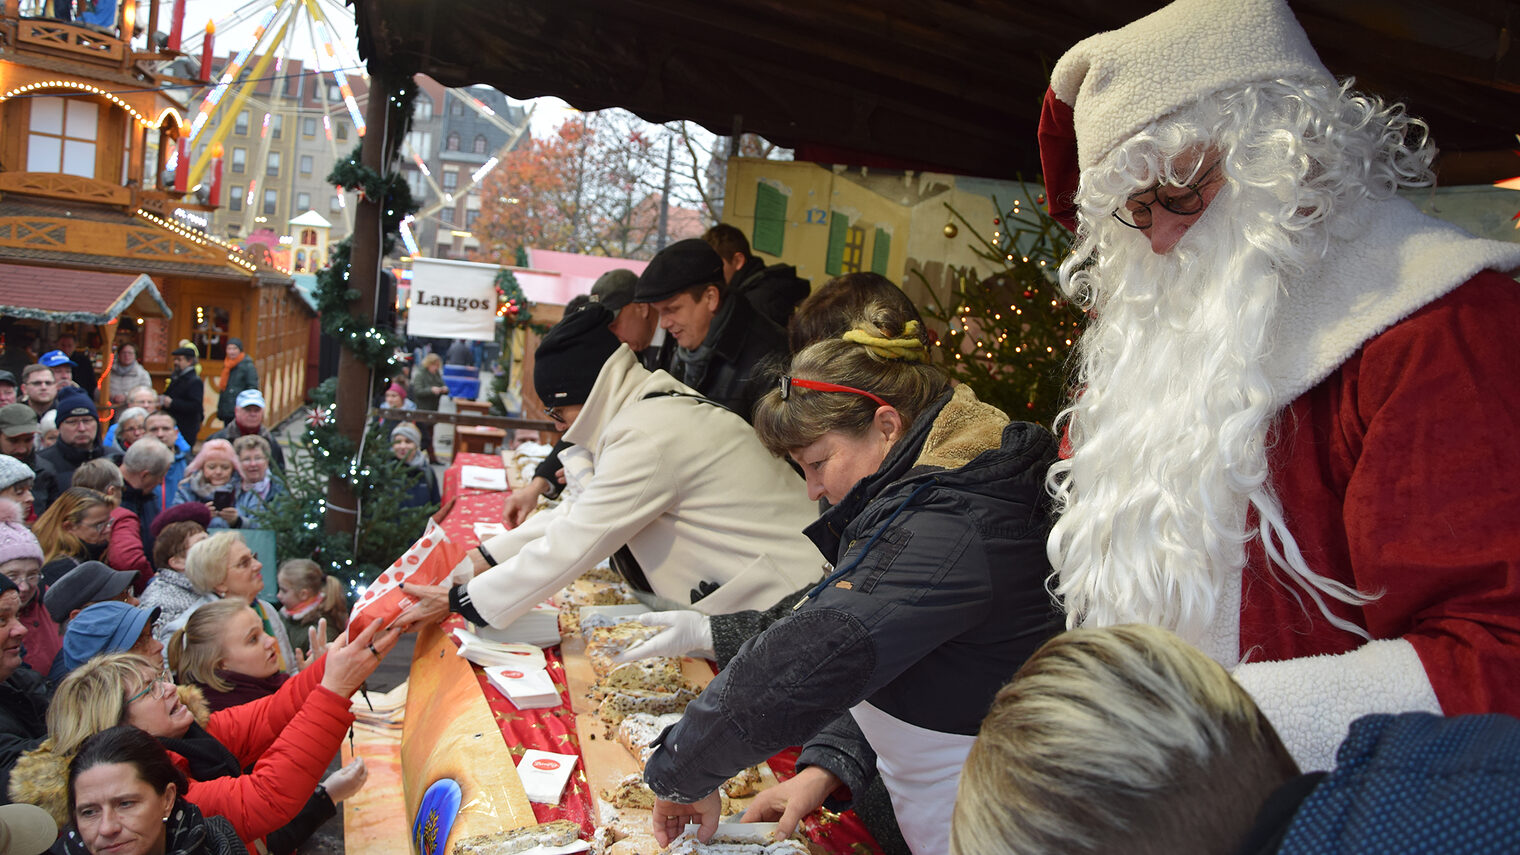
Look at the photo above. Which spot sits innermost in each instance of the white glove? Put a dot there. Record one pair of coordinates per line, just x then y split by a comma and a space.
686, 633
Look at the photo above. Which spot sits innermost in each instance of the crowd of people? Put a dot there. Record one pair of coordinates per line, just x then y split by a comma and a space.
1256, 592
137, 651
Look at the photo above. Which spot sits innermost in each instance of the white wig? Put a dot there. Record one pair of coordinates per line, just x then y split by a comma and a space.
1171, 426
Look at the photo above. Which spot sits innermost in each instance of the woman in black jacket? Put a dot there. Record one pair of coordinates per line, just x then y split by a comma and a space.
937, 533
126, 797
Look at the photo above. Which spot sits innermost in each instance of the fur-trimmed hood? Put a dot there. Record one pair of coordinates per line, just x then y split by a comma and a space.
41, 775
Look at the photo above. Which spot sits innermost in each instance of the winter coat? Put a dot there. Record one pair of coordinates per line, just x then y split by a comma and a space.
1414, 782
125, 378
55, 470
195, 489
423, 383
24, 697
186, 832
250, 505
243, 375
43, 639
289, 738
422, 484
711, 517
125, 549
939, 597
187, 396
774, 291
171, 593
743, 350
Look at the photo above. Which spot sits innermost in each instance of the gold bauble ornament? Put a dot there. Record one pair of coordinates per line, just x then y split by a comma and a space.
951, 230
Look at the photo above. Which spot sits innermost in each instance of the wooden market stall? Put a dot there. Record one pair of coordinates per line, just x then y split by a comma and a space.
89, 202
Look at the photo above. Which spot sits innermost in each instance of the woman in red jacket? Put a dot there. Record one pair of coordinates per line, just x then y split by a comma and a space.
289, 737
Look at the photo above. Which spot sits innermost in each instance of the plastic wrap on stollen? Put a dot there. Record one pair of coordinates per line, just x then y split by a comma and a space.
429, 561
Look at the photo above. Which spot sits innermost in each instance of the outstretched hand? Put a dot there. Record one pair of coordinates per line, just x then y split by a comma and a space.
787, 803
671, 818
431, 607
316, 641
350, 661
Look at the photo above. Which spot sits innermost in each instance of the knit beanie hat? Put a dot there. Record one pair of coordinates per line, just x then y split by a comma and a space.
398, 389
13, 472
75, 403
16, 540
212, 449
677, 267
572, 354
1111, 85
408, 430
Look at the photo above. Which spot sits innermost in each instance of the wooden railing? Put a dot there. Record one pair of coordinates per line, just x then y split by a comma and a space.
81, 41
471, 419
56, 185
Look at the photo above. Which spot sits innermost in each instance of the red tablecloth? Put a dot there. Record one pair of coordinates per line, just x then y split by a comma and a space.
554, 729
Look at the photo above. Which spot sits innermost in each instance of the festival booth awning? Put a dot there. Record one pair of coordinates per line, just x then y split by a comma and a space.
950, 86
81, 296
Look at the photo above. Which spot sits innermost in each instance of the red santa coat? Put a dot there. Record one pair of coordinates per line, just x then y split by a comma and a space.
1399, 473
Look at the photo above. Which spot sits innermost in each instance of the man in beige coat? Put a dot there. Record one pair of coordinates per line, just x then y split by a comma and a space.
710, 518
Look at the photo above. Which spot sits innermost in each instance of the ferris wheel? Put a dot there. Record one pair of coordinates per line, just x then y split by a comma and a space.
309, 31
305, 29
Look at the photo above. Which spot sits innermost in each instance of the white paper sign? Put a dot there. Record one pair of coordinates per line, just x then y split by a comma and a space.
483, 478
453, 299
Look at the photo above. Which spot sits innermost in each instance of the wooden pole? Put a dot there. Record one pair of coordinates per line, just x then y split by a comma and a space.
354, 380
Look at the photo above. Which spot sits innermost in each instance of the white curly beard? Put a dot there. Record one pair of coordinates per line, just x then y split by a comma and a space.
1169, 434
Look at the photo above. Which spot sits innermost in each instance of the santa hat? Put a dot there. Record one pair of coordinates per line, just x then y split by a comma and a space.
1111, 85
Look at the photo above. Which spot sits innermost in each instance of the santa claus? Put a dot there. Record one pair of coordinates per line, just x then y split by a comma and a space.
1295, 437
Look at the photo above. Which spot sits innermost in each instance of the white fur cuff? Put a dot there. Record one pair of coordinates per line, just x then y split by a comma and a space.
1313, 701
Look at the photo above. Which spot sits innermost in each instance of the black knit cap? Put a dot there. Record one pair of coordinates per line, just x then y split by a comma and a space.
572, 354
677, 267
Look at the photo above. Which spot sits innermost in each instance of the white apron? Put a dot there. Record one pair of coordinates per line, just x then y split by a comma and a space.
921, 769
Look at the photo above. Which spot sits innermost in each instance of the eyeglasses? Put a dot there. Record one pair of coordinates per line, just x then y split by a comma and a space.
102, 526
554, 415
1183, 200
788, 382
162, 686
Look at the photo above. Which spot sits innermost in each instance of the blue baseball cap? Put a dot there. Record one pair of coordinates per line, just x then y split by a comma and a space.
55, 358
109, 627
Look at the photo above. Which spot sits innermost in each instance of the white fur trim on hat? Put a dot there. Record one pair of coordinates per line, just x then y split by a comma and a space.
1120, 81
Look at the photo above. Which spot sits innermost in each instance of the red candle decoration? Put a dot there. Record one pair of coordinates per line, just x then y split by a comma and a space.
176, 25
215, 198
206, 52
182, 166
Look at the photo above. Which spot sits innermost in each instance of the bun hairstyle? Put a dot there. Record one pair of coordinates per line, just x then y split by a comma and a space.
882, 353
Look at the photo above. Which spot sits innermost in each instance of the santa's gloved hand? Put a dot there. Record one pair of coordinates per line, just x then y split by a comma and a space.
685, 633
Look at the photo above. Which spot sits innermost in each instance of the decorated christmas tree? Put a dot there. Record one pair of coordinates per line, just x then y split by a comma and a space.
298, 515
1008, 334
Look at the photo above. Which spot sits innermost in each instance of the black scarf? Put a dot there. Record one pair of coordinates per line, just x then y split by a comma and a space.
207, 756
